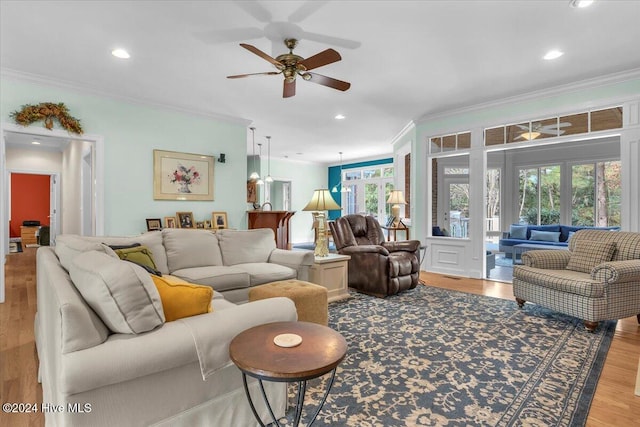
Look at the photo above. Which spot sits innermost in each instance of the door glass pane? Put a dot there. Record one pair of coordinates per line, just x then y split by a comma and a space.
493, 202
582, 194
350, 200
550, 195
348, 176
387, 172
595, 194
459, 210
371, 199
388, 187
528, 196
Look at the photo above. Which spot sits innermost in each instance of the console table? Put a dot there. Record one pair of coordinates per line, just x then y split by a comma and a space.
278, 221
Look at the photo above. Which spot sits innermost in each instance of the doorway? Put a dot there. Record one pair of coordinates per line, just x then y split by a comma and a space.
19, 153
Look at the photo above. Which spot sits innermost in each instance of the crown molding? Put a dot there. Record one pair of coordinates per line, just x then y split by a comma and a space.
536, 95
406, 129
90, 90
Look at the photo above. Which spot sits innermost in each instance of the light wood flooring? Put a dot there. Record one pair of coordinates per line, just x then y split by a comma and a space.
614, 403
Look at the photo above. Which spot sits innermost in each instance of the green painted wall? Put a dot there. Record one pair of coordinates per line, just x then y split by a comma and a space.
131, 132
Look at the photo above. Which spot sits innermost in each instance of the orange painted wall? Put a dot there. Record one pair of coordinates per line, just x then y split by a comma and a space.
29, 200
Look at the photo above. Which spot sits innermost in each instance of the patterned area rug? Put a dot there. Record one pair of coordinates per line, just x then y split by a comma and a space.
433, 357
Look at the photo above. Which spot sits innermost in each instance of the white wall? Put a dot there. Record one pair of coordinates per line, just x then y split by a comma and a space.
71, 185
26, 159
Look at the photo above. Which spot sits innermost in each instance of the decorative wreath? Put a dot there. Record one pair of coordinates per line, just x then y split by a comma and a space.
47, 111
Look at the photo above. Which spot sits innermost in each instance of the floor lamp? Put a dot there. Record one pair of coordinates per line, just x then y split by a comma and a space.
321, 202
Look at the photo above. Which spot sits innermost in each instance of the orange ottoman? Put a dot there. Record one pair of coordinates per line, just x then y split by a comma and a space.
310, 299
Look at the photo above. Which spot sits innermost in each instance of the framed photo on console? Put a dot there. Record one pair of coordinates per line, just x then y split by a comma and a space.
182, 176
219, 220
170, 222
154, 224
185, 220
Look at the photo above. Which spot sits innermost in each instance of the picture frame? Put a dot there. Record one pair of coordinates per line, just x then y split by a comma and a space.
219, 220
200, 224
154, 224
170, 222
252, 191
207, 224
185, 220
182, 176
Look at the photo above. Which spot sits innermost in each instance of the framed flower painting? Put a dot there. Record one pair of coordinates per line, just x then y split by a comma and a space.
182, 176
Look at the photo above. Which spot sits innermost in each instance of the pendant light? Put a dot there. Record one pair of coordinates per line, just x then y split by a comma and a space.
254, 175
268, 179
343, 189
260, 181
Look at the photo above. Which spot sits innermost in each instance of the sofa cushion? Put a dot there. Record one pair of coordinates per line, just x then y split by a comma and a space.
590, 253
152, 240
518, 232
137, 254
262, 272
182, 299
120, 292
190, 248
550, 227
561, 280
247, 246
545, 236
70, 246
220, 278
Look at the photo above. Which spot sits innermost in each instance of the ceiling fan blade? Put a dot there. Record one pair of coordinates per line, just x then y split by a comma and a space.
254, 9
289, 89
305, 11
329, 81
325, 57
330, 40
261, 54
231, 35
239, 76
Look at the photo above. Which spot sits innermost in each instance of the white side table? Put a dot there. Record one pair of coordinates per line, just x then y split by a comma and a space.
332, 272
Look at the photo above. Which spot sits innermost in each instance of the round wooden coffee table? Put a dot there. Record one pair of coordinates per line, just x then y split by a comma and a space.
320, 352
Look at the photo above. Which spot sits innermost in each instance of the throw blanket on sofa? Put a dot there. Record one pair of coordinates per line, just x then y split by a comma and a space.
213, 336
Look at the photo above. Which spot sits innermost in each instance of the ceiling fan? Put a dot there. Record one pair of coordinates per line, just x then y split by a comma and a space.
537, 129
291, 65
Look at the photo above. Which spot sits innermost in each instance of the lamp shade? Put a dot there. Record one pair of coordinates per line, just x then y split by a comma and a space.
321, 201
396, 197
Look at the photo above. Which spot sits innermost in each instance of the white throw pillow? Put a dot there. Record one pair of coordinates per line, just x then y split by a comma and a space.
120, 292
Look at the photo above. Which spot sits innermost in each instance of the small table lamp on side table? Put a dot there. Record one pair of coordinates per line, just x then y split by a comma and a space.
321, 202
396, 198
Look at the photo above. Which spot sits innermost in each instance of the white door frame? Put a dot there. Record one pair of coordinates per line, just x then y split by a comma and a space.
98, 143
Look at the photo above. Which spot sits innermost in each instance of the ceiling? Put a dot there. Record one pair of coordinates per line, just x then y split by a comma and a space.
404, 59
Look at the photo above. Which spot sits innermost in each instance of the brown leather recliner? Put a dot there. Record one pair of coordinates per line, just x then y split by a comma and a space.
376, 267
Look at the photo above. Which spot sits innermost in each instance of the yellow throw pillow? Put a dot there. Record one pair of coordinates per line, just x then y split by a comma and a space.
182, 299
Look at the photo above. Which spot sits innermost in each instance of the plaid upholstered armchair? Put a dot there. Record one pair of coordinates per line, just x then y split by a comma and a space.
597, 279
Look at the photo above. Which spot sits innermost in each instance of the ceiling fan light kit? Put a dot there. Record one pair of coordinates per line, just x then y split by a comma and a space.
291, 65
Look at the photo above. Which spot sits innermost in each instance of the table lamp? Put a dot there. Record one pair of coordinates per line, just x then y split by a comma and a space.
321, 202
396, 198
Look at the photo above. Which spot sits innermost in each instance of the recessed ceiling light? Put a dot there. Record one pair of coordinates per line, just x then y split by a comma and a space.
35, 142
340, 117
120, 53
553, 54
580, 3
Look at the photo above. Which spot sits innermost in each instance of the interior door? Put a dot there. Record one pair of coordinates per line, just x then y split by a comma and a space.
54, 188
4, 216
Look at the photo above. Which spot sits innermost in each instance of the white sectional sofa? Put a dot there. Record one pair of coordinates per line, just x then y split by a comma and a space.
178, 373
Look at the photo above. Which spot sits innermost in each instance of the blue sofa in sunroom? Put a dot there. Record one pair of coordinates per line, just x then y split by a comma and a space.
552, 235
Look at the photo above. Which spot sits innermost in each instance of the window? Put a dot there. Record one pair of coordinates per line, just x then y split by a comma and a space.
580, 123
539, 195
595, 194
369, 190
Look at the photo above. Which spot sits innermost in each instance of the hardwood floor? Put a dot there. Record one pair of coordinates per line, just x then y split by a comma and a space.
614, 403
